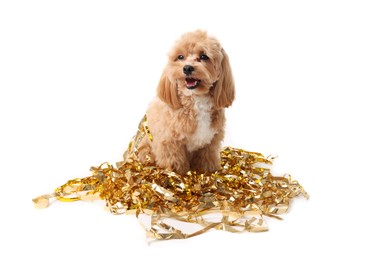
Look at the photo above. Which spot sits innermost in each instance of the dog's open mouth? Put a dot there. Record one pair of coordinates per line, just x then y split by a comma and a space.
192, 83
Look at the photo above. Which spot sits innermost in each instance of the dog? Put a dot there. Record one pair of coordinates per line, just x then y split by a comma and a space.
187, 117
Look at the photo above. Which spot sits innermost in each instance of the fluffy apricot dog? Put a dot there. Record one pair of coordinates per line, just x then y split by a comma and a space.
187, 118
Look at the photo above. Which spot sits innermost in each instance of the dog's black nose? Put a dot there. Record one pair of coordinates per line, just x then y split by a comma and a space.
188, 69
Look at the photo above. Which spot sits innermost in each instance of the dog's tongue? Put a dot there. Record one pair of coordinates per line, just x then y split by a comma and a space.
190, 82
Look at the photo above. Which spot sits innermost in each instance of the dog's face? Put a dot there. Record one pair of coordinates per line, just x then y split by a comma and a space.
197, 65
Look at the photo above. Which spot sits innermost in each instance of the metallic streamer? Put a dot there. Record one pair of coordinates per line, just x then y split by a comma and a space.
241, 193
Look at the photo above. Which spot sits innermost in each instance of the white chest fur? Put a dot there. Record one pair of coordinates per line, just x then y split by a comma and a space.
204, 133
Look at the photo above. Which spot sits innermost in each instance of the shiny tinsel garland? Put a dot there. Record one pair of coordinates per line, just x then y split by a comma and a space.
234, 198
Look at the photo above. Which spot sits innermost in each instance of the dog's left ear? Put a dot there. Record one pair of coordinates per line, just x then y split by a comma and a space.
224, 89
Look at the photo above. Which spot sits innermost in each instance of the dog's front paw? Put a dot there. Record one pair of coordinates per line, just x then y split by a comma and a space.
176, 166
205, 163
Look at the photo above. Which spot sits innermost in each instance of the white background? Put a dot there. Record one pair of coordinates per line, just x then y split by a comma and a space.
312, 82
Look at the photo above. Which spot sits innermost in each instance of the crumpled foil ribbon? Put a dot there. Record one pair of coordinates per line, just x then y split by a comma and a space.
235, 198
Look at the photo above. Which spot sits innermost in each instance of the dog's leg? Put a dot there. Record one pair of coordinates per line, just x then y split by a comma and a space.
208, 158
173, 156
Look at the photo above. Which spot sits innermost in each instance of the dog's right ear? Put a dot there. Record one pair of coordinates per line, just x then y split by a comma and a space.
167, 92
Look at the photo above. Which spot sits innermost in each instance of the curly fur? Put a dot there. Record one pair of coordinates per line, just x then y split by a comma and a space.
187, 117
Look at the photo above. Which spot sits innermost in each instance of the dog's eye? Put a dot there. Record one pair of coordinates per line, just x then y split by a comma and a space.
204, 57
180, 57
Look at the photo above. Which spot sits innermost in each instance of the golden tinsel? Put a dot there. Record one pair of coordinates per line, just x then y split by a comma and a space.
238, 195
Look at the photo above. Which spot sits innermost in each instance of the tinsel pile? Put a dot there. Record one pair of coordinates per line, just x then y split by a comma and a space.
234, 199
